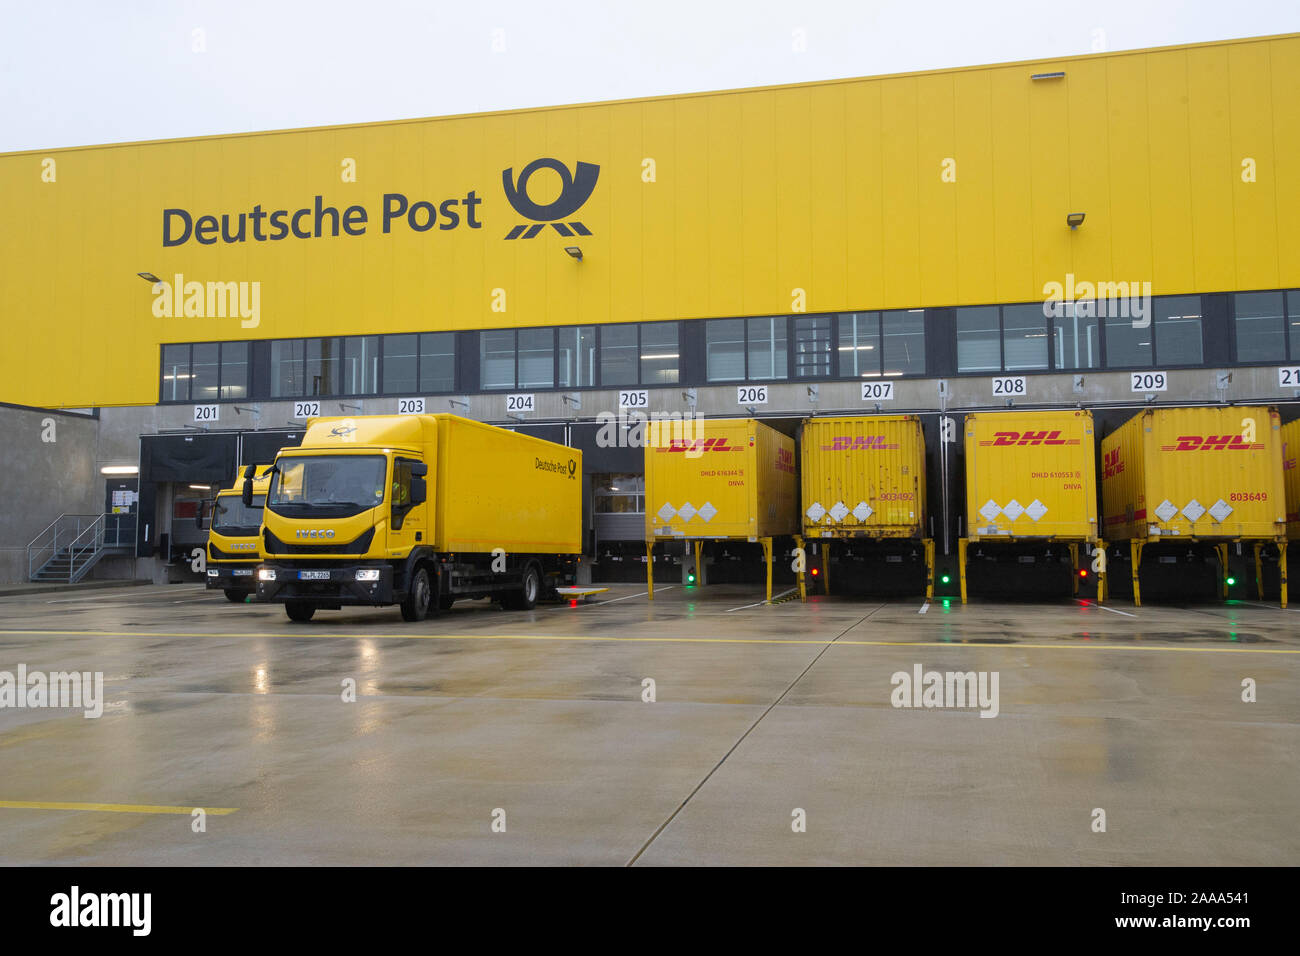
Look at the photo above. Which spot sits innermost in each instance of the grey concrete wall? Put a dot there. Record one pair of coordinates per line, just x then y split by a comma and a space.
50, 469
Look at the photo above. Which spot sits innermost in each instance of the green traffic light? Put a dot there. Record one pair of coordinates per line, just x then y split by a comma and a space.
945, 579
1231, 581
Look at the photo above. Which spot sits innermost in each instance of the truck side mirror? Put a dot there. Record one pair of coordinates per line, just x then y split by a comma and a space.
419, 493
198, 516
419, 469
248, 490
250, 471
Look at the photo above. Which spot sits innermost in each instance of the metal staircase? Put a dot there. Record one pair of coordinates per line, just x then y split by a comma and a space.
73, 544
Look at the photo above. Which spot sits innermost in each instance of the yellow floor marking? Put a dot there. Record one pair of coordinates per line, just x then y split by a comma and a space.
111, 807
594, 639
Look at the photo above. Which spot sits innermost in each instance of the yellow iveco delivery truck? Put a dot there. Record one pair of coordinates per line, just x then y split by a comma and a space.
233, 536
419, 511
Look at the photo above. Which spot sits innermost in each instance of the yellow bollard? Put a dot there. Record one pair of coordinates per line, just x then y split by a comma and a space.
1259, 571
699, 563
1281, 567
1074, 566
1222, 549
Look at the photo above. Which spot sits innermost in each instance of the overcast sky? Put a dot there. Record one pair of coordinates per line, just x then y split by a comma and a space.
75, 72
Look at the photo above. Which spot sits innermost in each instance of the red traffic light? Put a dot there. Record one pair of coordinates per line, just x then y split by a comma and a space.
814, 572
1083, 572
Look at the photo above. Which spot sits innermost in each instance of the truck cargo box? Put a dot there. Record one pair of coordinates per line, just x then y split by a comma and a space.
727, 478
1194, 472
863, 476
1031, 474
501, 489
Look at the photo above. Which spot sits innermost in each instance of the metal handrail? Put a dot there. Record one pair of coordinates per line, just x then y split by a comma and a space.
36, 551
96, 530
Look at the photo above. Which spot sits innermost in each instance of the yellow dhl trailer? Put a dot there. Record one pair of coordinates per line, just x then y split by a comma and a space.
718, 479
863, 477
419, 511
1031, 478
1194, 475
1291, 478
233, 536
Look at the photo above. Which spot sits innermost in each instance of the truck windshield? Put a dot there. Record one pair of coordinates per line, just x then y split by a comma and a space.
330, 484
231, 518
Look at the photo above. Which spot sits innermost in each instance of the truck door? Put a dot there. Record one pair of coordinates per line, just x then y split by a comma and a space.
407, 526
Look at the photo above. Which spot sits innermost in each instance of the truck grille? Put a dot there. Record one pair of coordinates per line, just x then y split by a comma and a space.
274, 545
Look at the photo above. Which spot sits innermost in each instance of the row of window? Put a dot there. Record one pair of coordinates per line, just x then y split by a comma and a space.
1168, 332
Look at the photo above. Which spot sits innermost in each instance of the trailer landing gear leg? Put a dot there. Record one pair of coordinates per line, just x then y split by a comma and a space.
1281, 567
767, 559
1074, 567
650, 570
1222, 549
1259, 572
1100, 552
800, 565
826, 567
929, 568
961, 566
699, 563
1135, 552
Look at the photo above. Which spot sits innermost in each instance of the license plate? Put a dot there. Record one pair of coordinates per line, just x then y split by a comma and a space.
313, 575
245, 573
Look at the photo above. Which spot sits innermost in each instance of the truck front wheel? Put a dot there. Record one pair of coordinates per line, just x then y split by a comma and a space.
299, 610
235, 597
419, 596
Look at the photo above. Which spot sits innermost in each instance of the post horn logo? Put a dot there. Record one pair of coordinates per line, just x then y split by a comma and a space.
575, 189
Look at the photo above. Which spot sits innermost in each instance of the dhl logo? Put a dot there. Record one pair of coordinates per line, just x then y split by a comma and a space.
1029, 438
859, 443
698, 445
1212, 443
1112, 465
785, 460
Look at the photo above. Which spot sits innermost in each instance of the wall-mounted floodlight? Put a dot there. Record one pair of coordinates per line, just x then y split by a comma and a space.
119, 470
1058, 75
149, 277
574, 251
1074, 219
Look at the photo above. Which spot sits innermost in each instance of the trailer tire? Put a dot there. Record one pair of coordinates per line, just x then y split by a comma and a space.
234, 597
419, 596
299, 610
530, 588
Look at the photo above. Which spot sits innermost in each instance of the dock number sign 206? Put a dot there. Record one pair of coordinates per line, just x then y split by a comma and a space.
751, 395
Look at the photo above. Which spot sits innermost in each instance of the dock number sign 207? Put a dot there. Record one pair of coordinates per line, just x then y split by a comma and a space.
877, 391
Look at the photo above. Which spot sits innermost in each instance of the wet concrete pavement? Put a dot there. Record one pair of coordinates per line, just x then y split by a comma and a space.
759, 713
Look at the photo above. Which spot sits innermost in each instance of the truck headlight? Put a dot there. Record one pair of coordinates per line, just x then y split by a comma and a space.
266, 574
212, 572
368, 574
